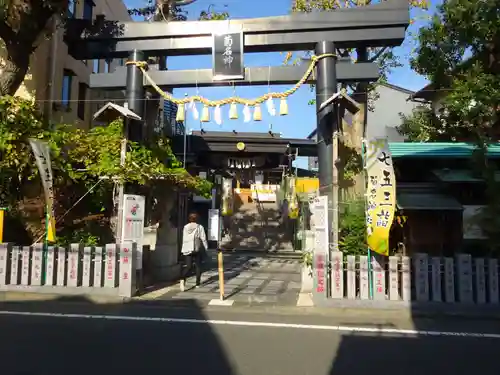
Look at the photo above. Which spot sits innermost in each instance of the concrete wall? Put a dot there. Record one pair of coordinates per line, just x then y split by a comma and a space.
385, 117
37, 83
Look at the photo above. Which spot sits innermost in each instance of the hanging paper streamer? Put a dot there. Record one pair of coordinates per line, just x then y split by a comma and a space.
257, 113
218, 115
270, 107
233, 112
181, 113
196, 115
247, 116
283, 107
205, 114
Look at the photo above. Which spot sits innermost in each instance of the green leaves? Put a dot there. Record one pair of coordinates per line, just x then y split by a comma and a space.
79, 155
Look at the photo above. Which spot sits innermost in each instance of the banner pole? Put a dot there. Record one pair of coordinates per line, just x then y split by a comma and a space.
45, 243
369, 253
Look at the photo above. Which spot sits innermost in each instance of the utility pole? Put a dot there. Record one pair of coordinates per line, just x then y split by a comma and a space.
185, 138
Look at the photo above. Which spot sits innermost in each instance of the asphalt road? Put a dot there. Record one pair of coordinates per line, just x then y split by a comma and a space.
144, 341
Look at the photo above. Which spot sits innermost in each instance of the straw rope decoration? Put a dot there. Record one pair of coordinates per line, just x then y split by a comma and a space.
233, 100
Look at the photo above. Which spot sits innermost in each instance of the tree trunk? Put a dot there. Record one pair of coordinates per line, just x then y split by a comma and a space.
354, 134
16, 67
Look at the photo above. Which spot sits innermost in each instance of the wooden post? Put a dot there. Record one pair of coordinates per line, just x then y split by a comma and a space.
220, 262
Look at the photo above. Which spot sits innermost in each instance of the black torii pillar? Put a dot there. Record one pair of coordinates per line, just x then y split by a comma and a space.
135, 94
327, 124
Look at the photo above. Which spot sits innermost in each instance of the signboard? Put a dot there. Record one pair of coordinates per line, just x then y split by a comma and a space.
213, 225
381, 191
320, 256
133, 223
227, 56
41, 151
471, 228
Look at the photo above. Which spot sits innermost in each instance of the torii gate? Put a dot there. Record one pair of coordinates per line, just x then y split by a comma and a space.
376, 25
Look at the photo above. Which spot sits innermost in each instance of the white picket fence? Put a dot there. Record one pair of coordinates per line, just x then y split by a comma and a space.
421, 278
108, 270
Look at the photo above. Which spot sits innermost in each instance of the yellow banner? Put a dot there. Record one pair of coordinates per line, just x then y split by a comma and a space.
381, 195
1, 225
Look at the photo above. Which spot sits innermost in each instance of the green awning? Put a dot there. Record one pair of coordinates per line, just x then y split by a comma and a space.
427, 201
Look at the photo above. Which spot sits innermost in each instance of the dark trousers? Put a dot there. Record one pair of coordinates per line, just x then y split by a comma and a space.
192, 260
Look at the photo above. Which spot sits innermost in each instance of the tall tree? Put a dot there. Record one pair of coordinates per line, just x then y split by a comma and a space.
361, 92
459, 51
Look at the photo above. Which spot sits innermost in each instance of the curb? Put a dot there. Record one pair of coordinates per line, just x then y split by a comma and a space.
304, 308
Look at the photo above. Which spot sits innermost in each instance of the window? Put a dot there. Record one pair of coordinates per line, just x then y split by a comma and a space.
66, 88
88, 9
82, 100
71, 8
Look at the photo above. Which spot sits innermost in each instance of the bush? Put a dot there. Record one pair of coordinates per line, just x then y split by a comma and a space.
352, 229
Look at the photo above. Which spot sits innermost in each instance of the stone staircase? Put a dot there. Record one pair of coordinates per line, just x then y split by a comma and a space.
256, 227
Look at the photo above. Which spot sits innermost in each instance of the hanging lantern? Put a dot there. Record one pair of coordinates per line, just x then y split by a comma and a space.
233, 111
257, 113
205, 114
283, 107
181, 113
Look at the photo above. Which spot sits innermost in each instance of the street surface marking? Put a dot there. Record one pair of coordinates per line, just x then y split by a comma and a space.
343, 329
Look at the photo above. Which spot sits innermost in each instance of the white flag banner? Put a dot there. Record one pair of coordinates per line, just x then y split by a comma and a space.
41, 151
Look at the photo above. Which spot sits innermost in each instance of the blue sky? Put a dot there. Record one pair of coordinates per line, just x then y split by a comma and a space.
301, 119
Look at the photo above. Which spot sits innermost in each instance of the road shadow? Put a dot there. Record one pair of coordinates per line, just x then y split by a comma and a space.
74, 337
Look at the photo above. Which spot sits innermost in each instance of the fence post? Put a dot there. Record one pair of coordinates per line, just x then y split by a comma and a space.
14, 265
74, 266
449, 280
436, 290
127, 269
480, 281
98, 266
25, 265
493, 281
87, 266
406, 278
378, 263
363, 278
61, 266
36, 265
393, 278
422, 277
351, 277
464, 275
5, 250
337, 262
111, 265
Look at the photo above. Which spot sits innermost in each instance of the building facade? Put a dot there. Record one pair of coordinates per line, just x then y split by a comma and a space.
391, 102
59, 83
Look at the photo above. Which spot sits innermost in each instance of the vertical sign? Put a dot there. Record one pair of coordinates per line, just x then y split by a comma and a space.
133, 223
227, 56
320, 257
214, 225
381, 195
41, 151
227, 196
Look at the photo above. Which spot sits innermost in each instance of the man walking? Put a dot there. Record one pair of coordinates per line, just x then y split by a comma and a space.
194, 243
